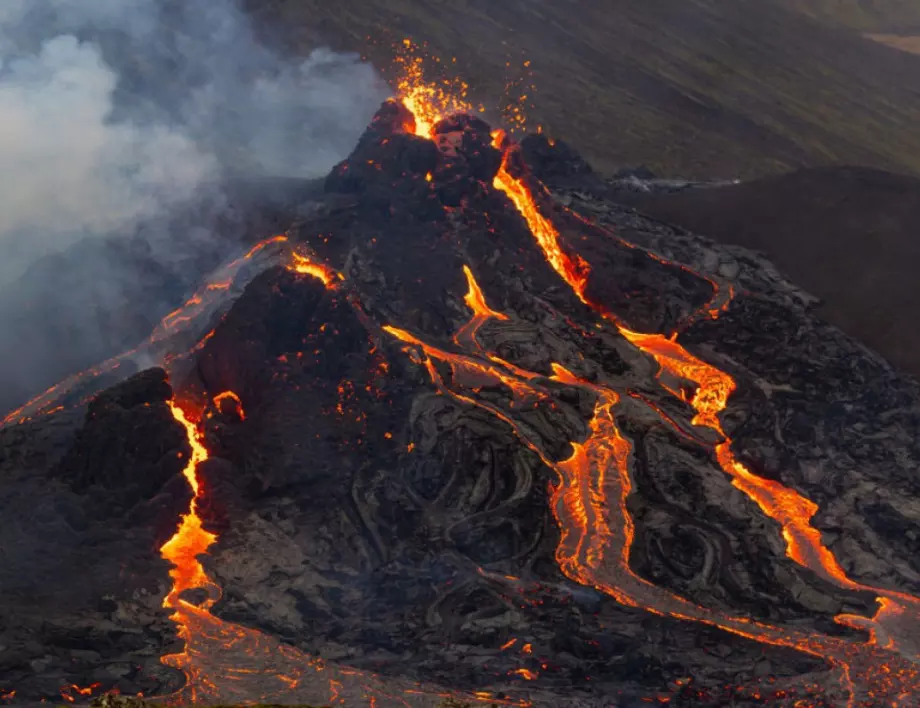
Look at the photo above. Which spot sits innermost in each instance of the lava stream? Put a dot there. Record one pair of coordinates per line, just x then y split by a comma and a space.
575, 270
228, 662
790, 509
304, 265
182, 550
482, 313
590, 506
714, 387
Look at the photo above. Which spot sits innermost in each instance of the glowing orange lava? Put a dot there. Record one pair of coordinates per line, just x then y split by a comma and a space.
428, 102
482, 313
587, 497
306, 266
713, 387
220, 398
72, 692
188, 543
574, 270
590, 505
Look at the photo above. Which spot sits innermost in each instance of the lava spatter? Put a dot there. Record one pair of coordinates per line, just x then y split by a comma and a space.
428, 101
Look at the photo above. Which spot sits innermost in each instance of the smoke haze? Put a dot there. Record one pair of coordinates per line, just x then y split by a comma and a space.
112, 111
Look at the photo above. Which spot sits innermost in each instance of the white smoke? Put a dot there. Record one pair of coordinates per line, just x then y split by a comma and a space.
67, 169
111, 111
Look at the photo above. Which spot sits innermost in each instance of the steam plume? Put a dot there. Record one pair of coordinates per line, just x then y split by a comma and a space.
113, 110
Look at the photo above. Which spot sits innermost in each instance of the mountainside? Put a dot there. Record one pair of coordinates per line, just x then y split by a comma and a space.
466, 437
847, 235
698, 88
897, 16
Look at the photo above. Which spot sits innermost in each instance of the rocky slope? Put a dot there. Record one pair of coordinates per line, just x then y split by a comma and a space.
400, 514
899, 16
845, 234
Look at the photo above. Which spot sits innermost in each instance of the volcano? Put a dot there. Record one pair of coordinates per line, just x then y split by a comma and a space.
467, 433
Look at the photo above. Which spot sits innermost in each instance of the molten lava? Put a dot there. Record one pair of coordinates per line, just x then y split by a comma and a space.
428, 102
575, 270
482, 313
590, 499
231, 400
188, 543
218, 654
304, 265
587, 498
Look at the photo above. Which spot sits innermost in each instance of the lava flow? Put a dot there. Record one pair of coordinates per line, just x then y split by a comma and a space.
590, 499
596, 529
232, 663
713, 388
586, 497
482, 313
306, 266
182, 550
573, 270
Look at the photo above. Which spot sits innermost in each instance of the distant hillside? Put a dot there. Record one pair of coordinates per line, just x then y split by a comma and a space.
906, 43
896, 16
847, 235
696, 88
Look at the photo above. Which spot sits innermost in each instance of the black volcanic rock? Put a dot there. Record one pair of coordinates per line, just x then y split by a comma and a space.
389, 164
130, 444
556, 163
86, 504
845, 234
147, 387
468, 159
398, 508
